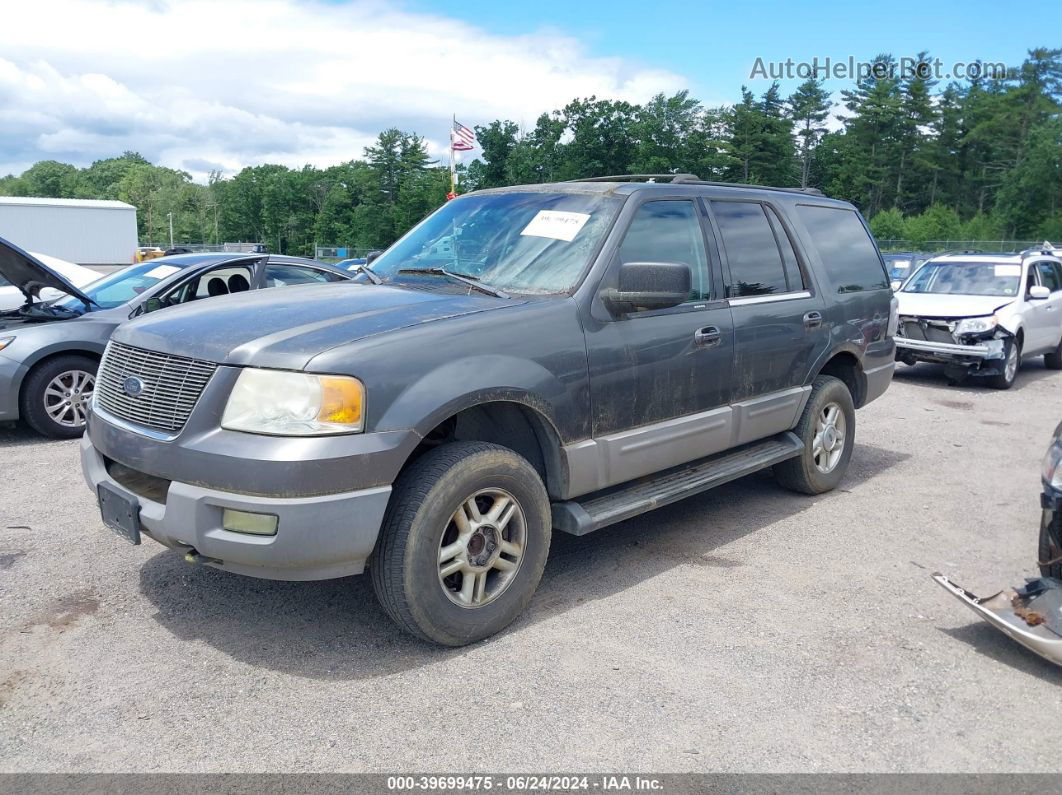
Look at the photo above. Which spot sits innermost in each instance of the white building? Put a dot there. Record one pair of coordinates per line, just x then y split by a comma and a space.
85, 231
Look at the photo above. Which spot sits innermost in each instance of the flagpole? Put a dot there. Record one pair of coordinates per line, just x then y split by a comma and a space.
453, 167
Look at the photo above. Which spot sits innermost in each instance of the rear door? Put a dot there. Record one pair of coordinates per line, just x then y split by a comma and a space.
779, 324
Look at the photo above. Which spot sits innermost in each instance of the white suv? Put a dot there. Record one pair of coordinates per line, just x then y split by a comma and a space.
981, 314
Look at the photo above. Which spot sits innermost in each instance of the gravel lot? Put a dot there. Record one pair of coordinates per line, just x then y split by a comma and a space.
747, 629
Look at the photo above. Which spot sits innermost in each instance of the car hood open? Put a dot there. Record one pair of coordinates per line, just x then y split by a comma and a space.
30, 275
950, 305
285, 327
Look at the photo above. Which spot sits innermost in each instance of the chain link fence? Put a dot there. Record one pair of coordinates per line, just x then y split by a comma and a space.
327, 253
958, 245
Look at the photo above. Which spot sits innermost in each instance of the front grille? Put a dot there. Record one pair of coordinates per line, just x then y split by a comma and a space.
927, 329
169, 386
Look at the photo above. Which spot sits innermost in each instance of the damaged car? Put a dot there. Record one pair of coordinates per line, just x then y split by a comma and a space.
50, 346
982, 314
1032, 614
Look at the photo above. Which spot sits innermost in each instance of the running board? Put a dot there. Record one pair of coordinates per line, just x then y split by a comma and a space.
594, 511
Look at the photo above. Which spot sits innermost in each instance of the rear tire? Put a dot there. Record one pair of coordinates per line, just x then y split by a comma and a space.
823, 462
1053, 360
55, 395
1011, 364
432, 574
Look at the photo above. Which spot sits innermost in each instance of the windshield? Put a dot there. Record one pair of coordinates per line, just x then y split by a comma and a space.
520, 242
899, 267
122, 286
966, 278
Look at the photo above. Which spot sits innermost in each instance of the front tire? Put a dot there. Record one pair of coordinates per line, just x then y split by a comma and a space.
827, 428
464, 543
1050, 552
1011, 364
55, 396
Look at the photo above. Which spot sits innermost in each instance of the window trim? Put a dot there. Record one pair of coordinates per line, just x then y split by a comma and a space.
743, 300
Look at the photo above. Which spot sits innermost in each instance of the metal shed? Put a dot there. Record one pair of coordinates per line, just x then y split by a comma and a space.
85, 231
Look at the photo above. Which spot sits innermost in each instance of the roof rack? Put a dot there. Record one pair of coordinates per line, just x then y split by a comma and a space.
1047, 247
692, 179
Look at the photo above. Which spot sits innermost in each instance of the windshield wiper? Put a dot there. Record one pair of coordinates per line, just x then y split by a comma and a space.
464, 278
374, 277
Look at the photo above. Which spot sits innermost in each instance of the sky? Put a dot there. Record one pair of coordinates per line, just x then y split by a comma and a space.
222, 84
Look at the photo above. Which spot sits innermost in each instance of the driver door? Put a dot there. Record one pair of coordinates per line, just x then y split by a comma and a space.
660, 379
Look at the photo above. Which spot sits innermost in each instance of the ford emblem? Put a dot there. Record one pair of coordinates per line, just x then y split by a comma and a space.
132, 386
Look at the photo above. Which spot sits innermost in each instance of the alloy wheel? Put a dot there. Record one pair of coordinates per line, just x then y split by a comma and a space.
828, 444
481, 550
67, 397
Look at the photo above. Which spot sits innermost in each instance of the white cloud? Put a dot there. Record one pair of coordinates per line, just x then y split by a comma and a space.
190, 83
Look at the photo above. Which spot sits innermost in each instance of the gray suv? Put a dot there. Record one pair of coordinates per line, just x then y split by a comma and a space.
526, 360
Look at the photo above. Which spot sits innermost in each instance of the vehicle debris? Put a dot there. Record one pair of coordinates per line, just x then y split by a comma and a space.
1030, 614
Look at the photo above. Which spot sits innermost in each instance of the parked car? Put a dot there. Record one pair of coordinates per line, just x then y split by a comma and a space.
582, 353
11, 297
902, 264
352, 264
49, 351
981, 314
1032, 613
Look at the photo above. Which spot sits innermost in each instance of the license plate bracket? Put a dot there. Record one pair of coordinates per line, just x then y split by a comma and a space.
120, 512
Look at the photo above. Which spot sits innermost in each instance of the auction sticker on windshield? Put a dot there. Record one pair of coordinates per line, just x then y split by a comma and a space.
161, 272
1008, 270
556, 224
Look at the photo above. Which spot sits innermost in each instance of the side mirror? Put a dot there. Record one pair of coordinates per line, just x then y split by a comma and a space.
1038, 292
896, 284
372, 256
152, 305
648, 285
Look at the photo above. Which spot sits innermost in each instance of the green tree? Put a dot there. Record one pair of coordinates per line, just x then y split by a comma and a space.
809, 107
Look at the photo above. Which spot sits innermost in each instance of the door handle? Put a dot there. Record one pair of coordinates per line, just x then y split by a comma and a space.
812, 319
708, 337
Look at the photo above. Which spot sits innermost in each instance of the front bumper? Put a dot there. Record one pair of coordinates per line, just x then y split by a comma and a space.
11, 375
984, 355
1021, 619
318, 537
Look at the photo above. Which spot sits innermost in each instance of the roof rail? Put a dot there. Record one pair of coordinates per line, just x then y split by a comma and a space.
693, 179
1047, 247
635, 177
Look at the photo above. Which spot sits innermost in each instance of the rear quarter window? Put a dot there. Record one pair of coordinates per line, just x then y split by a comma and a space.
847, 252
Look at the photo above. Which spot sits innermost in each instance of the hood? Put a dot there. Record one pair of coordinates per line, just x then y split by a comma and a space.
30, 275
285, 327
950, 305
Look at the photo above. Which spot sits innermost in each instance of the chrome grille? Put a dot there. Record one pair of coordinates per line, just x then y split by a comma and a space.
171, 386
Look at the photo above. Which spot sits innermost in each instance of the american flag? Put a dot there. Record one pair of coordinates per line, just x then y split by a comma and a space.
462, 139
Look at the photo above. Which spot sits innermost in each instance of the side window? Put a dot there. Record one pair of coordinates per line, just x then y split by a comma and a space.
1049, 276
219, 281
793, 277
848, 254
280, 275
756, 266
669, 231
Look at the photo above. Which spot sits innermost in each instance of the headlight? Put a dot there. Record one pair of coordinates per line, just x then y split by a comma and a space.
1052, 471
283, 403
975, 325
5, 341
